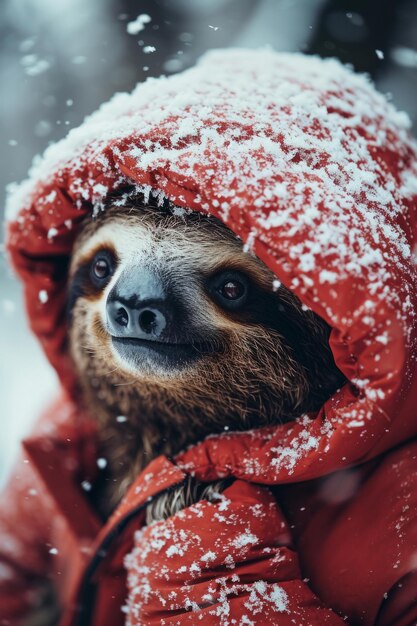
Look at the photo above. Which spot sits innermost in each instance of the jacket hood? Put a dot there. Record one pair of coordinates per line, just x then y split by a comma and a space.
314, 170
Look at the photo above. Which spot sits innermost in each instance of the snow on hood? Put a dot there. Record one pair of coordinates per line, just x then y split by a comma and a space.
310, 166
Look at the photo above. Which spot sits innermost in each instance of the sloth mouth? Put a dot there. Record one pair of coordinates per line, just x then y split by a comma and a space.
138, 350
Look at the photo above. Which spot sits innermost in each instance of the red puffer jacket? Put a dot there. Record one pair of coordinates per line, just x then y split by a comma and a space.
316, 173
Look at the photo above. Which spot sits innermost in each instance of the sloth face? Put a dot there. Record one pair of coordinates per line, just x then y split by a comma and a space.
173, 325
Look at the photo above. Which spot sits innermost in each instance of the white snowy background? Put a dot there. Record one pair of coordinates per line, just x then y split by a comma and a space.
60, 60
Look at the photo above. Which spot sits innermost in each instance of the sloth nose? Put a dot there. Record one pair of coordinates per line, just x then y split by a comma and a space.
136, 322
138, 306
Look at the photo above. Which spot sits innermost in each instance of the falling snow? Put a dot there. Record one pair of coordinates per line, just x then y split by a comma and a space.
137, 25
33, 65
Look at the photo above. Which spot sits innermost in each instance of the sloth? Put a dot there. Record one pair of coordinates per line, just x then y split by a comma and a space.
178, 332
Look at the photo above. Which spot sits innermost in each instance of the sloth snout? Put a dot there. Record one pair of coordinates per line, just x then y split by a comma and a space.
136, 322
148, 323
139, 307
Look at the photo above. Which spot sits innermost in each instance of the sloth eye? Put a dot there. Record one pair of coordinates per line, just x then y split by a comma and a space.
230, 289
101, 267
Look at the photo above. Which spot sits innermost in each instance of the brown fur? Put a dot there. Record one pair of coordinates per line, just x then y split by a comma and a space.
257, 374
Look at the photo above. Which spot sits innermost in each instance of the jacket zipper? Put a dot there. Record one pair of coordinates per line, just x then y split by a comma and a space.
87, 593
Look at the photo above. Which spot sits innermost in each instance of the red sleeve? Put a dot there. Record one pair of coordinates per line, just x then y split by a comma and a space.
400, 606
220, 563
25, 515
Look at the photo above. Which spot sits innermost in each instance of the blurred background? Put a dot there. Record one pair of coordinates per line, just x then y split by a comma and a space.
59, 60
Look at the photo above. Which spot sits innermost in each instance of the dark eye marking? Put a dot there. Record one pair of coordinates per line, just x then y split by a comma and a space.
91, 277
